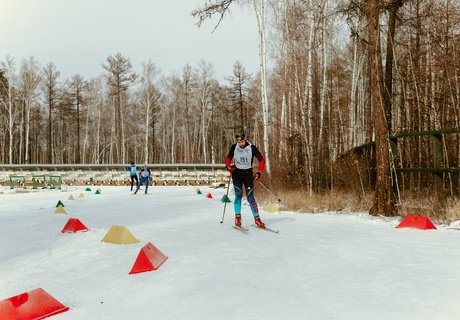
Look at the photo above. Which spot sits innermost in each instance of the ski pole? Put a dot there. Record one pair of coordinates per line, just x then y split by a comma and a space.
258, 180
279, 200
225, 203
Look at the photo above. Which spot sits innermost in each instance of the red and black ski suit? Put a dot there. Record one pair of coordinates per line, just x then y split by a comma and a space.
242, 173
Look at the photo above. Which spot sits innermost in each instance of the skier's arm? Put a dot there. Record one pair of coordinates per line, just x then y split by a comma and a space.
228, 159
261, 159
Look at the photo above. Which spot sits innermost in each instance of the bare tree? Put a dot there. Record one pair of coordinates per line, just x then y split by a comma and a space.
29, 80
149, 99
238, 83
94, 106
392, 8
384, 201
188, 85
221, 7
50, 94
260, 9
205, 87
169, 111
78, 86
7, 101
119, 78
3, 124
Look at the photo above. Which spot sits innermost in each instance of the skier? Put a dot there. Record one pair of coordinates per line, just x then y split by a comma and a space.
243, 153
133, 175
144, 175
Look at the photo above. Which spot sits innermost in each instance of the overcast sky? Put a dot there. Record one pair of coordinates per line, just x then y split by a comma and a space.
78, 35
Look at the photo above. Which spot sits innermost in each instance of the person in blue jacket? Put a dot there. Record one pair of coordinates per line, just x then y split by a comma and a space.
133, 175
144, 175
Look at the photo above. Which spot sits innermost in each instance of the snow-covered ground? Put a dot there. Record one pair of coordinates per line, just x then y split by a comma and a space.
321, 266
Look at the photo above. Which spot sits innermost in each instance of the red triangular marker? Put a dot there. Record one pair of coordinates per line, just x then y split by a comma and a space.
417, 222
149, 258
35, 304
74, 225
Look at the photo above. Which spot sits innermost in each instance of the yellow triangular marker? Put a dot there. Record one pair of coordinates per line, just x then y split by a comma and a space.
82, 195
119, 235
271, 207
60, 210
71, 197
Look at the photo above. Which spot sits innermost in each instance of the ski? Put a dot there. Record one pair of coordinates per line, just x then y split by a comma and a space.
266, 229
242, 229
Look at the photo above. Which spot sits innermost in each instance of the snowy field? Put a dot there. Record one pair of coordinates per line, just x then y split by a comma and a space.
321, 266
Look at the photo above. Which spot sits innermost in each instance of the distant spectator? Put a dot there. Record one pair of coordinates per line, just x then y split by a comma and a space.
145, 176
133, 174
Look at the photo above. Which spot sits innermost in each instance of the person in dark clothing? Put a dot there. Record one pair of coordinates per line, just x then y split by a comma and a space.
144, 175
242, 153
133, 175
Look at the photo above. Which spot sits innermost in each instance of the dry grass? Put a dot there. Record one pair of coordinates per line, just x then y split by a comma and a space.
427, 203
301, 201
453, 212
22, 191
439, 210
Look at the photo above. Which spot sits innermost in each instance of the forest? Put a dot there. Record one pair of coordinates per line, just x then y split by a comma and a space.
341, 74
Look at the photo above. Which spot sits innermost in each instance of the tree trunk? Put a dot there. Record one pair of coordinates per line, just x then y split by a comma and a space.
27, 133
259, 8
85, 140
147, 119
10, 124
384, 202
78, 158
388, 93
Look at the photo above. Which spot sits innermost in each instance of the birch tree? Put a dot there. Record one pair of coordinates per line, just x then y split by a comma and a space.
3, 126
188, 84
94, 107
149, 99
169, 112
220, 8
29, 80
205, 86
7, 101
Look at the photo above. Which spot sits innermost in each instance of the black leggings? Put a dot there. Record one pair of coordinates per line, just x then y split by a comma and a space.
132, 181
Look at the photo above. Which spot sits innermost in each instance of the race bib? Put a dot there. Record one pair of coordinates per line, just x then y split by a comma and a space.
243, 157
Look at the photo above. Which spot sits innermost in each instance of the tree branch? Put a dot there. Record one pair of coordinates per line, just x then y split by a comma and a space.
208, 10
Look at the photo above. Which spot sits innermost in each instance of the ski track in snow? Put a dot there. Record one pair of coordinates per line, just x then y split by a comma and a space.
320, 266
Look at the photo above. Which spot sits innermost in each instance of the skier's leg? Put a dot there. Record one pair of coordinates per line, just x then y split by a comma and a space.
132, 182
138, 186
254, 207
249, 185
146, 184
238, 185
